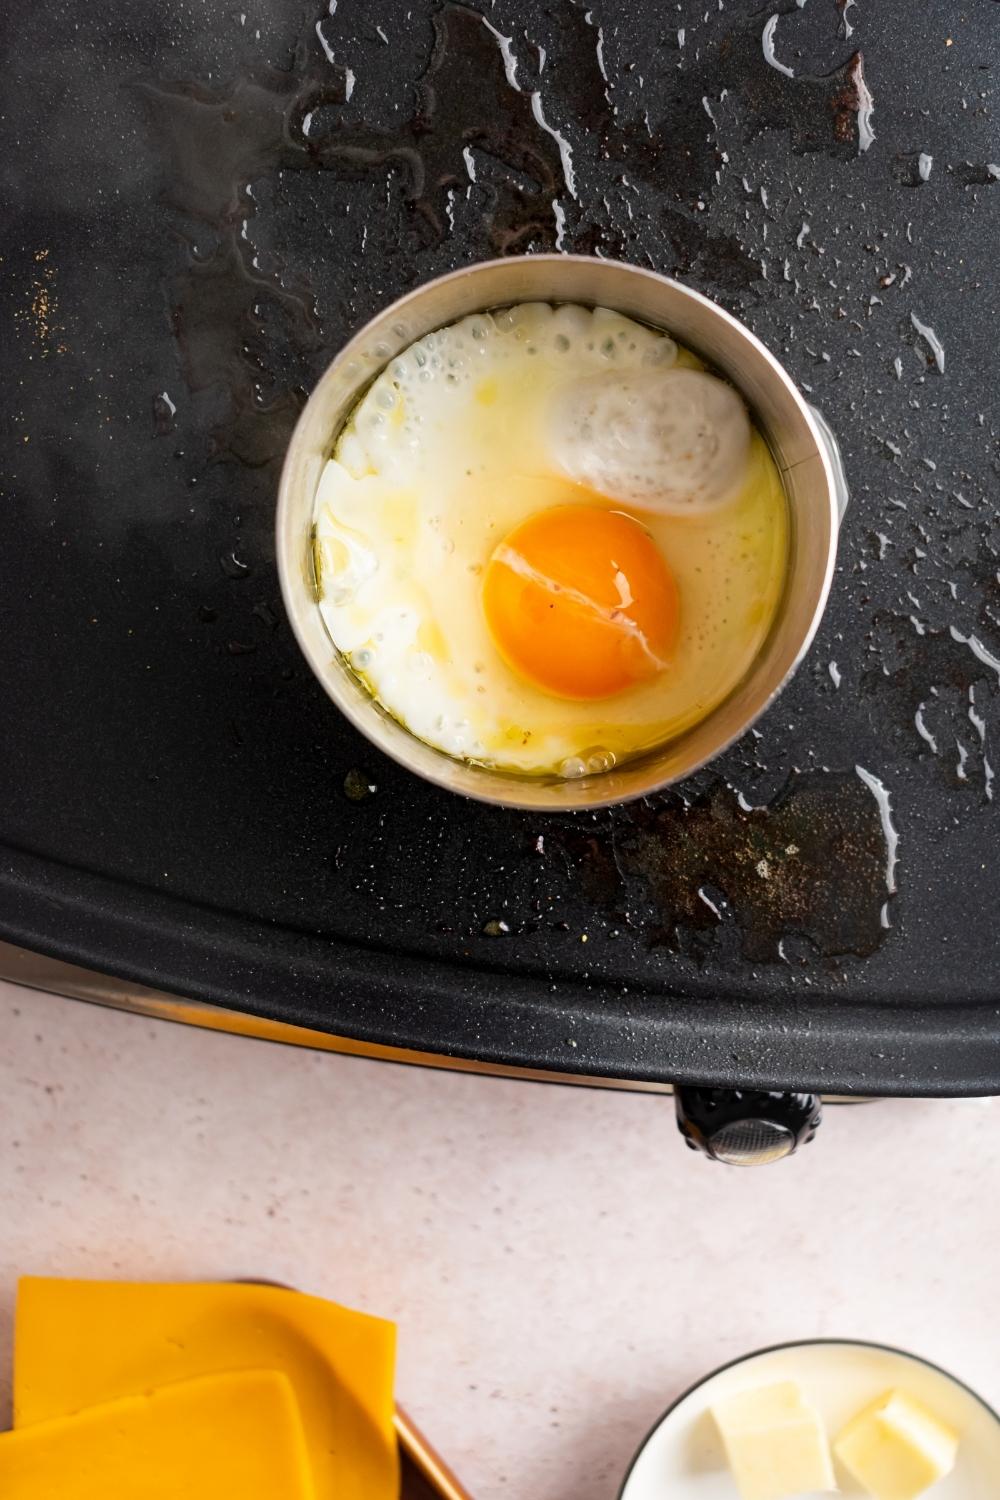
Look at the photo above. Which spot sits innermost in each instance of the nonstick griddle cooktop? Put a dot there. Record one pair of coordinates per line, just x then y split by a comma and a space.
200, 202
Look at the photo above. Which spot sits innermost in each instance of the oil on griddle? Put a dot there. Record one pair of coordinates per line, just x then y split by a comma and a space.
302, 168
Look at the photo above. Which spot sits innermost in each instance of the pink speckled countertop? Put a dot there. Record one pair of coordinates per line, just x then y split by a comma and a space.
559, 1265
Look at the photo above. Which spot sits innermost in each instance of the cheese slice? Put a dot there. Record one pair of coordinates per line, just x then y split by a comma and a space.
896, 1449
82, 1343
232, 1435
775, 1442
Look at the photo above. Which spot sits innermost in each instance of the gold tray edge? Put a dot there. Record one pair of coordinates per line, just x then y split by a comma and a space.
425, 1458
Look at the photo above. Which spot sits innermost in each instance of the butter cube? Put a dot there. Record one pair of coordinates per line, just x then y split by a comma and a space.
775, 1443
896, 1448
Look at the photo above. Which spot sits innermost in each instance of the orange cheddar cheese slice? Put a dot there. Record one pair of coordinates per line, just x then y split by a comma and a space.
83, 1343
237, 1435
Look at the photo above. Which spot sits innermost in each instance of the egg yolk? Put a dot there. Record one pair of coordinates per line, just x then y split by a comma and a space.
580, 602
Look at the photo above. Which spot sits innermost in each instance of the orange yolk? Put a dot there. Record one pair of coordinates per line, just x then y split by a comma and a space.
580, 602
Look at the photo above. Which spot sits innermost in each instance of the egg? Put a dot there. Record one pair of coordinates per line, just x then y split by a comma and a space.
548, 539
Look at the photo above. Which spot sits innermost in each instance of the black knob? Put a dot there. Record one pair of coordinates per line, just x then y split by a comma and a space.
746, 1127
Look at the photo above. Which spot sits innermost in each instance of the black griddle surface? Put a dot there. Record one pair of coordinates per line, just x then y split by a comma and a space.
199, 204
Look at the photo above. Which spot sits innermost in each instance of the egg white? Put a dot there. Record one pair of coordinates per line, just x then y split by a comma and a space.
454, 445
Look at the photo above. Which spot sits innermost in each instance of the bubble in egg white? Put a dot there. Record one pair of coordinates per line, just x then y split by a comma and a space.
346, 562
676, 441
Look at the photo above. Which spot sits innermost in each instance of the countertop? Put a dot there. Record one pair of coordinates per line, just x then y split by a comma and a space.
560, 1267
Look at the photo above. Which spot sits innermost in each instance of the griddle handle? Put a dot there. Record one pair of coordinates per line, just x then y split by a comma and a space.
746, 1127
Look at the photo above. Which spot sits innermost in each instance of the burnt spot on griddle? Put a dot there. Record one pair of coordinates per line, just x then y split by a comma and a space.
849, 101
809, 874
821, 112
735, 86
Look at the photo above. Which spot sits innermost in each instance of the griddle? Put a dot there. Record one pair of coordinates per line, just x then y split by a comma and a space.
199, 204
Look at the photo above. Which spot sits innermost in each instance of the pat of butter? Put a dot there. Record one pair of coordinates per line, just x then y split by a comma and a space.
775, 1442
896, 1448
